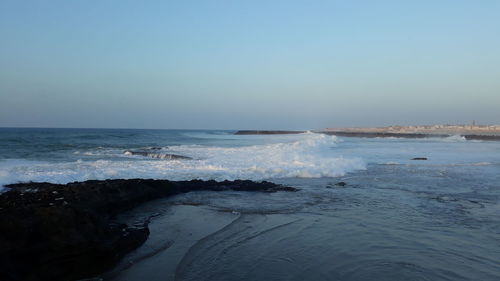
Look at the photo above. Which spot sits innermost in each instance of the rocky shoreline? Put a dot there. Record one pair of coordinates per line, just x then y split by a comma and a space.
267, 132
407, 135
69, 231
469, 132
369, 134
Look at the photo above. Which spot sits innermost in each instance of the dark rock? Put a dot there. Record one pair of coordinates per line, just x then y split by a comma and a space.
482, 137
43, 237
382, 135
264, 132
167, 156
419, 158
406, 135
338, 184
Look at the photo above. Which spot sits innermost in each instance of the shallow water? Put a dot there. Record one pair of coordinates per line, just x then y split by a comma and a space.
377, 227
396, 219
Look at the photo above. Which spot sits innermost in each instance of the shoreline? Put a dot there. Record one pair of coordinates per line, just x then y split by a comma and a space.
70, 231
469, 132
376, 134
267, 132
173, 233
408, 135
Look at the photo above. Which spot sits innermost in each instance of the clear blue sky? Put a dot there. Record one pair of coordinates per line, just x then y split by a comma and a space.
248, 64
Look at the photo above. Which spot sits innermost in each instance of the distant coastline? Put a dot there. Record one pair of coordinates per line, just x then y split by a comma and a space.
469, 132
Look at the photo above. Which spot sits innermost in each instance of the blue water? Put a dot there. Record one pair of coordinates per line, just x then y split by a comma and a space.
396, 219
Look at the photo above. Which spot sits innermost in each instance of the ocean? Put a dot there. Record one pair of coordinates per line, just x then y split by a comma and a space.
391, 218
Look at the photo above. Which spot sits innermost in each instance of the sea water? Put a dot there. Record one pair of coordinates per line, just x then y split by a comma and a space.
395, 219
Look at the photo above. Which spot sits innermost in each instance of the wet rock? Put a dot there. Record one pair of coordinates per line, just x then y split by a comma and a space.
444, 199
166, 156
338, 184
382, 134
482, 137
43, 238
419, 158
267, 132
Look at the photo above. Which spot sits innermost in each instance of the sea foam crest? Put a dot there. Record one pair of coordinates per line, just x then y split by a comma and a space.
307, 155
455, 138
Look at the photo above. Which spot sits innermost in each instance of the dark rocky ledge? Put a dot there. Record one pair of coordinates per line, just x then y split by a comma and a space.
383, 135
260, 132
406, 135
482, 137
67, 232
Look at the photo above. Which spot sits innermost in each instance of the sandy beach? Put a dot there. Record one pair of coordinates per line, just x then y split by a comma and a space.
172, 234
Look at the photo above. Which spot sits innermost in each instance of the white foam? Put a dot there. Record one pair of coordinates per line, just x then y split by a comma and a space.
476, 164
305, 155
455, 138
482, 164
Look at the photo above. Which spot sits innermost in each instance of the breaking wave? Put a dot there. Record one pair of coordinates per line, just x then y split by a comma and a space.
455, 138
308, 155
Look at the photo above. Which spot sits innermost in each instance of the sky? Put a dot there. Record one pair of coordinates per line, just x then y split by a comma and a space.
248, 64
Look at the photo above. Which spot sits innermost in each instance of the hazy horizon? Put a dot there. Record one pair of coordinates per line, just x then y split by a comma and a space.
253, 65
234, 129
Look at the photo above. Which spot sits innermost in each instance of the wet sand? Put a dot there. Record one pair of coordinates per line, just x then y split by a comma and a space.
78, 232
172, 235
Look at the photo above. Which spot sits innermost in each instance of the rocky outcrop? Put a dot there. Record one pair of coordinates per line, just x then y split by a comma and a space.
382, 135
165, 156
268, 132
373, 134
482, 137
67, 232
360, 134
